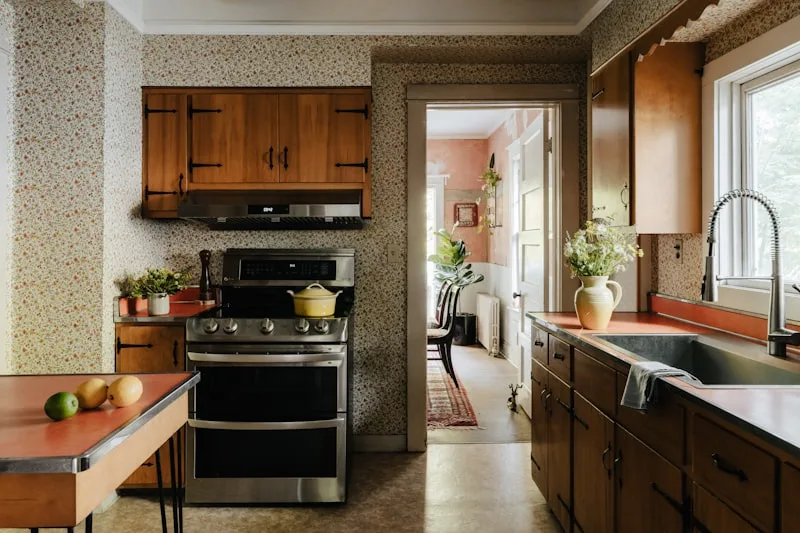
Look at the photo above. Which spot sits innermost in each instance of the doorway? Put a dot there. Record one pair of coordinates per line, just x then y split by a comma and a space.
519, 265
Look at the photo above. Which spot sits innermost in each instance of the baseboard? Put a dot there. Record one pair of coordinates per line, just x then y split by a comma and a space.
380, 443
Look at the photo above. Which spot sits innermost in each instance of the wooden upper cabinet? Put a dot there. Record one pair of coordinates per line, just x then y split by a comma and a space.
164, 154
234, 139
324, 138
667, 134
611, 140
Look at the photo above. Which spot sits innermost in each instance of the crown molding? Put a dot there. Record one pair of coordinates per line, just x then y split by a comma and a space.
131, 10
592, 14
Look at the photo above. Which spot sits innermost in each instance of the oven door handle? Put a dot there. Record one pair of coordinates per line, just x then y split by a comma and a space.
261, 426
309, 359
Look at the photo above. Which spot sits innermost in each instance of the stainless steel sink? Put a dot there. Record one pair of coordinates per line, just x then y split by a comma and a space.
715, 360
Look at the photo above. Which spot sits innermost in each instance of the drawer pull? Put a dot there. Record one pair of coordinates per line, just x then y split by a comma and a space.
559, 356
175, 354
598, 94
538, 343
148, 463
724, 466
535, 380
673, 503
566, 407
603, 459
579, 420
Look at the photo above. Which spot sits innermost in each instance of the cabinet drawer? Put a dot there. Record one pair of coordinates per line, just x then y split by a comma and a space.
790, 488
661, 427
595, 381
735, 470
539, 346
710, 514
560, 359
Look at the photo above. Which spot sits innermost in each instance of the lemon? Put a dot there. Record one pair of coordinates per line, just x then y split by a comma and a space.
91, 393
61, 406
125, 391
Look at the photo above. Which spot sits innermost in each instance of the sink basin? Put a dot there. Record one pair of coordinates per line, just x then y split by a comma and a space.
714, 362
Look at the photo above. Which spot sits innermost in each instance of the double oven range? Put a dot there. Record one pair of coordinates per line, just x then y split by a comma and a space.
268, 422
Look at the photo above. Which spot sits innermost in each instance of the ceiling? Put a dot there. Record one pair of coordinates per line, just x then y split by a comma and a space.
361, 17
465, 123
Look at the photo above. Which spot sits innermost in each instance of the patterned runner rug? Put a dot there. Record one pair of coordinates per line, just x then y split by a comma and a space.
447, 406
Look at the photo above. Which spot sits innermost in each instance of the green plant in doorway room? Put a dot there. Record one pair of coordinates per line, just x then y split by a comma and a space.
490, 179
450, 260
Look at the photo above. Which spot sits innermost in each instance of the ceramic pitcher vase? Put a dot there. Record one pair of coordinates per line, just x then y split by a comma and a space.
594, 301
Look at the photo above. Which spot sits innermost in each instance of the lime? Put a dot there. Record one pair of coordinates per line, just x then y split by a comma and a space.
61, 405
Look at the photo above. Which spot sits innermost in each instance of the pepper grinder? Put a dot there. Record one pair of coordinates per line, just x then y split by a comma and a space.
206, 294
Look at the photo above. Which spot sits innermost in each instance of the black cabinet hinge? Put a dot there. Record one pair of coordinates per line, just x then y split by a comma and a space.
147, 111
364, 165
193, 165
121, 345
364, 110
194, 110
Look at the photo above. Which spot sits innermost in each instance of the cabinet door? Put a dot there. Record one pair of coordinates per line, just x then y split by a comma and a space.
713, 516
649, 495
593, 457
559, 451
150, 349
325, 138
539, 418
234, 140
790, 488
611, 140
164, 154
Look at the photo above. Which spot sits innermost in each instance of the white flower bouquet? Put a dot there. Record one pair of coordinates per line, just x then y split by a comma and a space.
600, 250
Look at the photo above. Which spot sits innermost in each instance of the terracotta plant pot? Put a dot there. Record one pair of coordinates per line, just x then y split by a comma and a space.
594, 301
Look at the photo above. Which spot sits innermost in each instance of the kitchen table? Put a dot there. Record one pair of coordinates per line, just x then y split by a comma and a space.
53, 474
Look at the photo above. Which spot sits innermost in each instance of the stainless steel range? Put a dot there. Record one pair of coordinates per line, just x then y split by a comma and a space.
268, 422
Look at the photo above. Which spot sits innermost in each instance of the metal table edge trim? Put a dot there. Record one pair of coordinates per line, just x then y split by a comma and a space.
84, 461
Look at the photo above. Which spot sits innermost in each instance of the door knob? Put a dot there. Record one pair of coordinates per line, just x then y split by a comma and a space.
516, 295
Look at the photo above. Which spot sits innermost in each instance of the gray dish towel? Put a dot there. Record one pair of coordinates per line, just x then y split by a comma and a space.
641, 385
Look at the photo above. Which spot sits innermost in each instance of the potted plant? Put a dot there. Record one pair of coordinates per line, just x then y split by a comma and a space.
490, 179
156, 284
129, 293
593, 254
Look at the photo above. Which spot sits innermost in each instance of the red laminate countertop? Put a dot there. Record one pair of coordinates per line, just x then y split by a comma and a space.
26, 433
771, 412
176, 310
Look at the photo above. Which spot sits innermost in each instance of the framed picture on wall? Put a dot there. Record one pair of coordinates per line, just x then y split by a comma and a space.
466, 214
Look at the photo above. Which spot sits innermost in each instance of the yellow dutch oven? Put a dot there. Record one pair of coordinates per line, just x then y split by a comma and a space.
314, 301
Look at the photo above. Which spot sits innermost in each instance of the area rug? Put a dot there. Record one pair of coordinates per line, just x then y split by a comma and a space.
448, 406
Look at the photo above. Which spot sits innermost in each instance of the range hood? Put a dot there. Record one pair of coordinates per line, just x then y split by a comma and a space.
249, 210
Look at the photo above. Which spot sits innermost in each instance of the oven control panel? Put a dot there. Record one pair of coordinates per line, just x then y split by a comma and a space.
259, 330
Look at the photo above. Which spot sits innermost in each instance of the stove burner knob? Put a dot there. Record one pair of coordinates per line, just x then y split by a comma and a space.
322, 327
267, 326
302, 326
230, 326
210, 326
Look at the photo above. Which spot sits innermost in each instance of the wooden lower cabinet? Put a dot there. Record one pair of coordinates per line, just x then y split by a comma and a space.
649, 490
150, 349
559, 450
713, 516
539, 419
593, 487
790, 488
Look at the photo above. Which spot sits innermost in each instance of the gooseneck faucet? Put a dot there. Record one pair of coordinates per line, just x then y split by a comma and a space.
777, 334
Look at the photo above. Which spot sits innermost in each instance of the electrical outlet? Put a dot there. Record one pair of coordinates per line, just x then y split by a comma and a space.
393, 253
678, 247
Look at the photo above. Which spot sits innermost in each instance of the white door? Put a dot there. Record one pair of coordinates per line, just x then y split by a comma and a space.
434, 222
531, 238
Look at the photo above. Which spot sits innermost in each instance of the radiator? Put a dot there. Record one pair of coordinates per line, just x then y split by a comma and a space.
489, 322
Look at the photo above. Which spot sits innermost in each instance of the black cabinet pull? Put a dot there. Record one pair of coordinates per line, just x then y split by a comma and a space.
148, 110
603, 459
148, 193
271, 166
193, 165
622, 196
121, 345
533, 460
148, 463
285, 157
598, 94
175, 354
579, 420
536, 380
699, 526
180, 184
559, 356
565, 406
194, 110
673, 503
363, 110
724, 466
364, 165
538, 343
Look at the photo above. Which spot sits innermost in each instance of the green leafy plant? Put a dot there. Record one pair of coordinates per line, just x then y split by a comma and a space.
450, 260
162, 280
600, 250
129, 287
490, 179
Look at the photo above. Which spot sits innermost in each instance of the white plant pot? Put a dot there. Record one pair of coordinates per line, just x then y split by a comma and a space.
158, 304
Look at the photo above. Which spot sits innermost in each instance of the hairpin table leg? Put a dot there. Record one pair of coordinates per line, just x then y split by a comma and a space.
161, 492
88, 524
174, 484
180, 483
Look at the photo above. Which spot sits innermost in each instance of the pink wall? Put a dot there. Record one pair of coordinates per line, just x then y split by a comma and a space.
498, 143
463, 160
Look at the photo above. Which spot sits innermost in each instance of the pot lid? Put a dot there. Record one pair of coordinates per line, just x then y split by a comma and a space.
315, 290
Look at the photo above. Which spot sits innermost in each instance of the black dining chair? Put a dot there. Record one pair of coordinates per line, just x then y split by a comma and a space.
442, 337
441, 301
